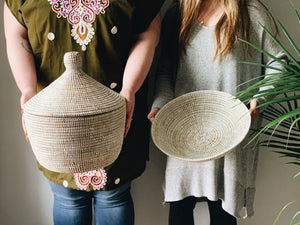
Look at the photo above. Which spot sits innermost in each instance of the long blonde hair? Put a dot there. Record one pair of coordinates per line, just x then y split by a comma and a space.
234, 21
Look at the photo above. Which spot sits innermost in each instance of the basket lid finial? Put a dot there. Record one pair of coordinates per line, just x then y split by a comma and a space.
72, 60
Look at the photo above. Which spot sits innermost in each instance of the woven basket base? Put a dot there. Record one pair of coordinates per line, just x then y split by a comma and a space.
76, 144
200, 126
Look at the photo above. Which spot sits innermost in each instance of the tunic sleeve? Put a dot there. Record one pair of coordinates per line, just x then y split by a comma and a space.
15, 8
144, 13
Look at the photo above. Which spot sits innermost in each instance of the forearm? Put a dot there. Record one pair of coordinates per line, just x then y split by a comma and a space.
138, 65
140, 57
20, 56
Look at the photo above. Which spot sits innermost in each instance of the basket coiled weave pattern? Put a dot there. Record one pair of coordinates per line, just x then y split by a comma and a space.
76, 124
200, 126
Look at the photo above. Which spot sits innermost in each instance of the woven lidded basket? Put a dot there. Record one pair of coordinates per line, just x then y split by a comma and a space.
200, 126
75, 124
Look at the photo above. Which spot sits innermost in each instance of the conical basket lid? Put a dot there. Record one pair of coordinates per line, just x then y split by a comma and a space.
74, 93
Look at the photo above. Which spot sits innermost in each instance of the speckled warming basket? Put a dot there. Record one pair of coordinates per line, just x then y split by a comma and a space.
76, 124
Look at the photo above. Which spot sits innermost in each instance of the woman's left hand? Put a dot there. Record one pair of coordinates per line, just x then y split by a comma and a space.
253, 110
130, 102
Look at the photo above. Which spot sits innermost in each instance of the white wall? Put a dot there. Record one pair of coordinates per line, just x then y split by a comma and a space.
25, 197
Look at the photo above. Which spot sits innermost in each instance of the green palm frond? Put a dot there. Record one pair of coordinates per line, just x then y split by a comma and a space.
282, 113
297, 175
295, 220
286, 65
282, 132
286, 80
290, 40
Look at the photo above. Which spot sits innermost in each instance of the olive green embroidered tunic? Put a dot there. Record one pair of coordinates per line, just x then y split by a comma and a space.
103, 32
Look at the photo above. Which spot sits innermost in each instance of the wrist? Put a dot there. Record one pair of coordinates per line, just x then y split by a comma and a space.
127, 93
26, 95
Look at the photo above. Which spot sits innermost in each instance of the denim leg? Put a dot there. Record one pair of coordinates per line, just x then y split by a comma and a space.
71, 207
114, 207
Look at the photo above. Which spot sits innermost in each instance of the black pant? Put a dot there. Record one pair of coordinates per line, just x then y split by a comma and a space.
181, 212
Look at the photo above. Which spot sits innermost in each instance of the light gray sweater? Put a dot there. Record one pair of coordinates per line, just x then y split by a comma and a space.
232, 177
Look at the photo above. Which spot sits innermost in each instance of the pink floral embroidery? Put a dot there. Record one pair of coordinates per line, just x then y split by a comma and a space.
80, 14
97, 178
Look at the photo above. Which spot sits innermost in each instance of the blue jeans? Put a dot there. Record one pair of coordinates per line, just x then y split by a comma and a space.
75, 207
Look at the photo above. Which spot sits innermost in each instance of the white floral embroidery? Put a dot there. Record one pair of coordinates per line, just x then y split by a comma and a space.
80, 14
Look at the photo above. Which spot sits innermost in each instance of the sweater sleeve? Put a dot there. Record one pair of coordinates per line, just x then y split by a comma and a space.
263, 19
260, 17
167, 64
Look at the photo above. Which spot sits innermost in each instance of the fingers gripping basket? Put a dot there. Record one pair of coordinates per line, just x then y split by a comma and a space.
76, 124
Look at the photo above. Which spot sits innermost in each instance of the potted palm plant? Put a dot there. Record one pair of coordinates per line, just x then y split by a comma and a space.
282, 114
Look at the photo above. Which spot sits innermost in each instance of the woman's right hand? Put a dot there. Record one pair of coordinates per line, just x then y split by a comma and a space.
152, 114
24, 98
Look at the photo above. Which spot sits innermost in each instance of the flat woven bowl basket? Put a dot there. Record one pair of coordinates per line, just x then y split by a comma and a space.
75, 124
200, 126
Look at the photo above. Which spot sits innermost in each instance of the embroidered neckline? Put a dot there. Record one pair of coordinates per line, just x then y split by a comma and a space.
80, 14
